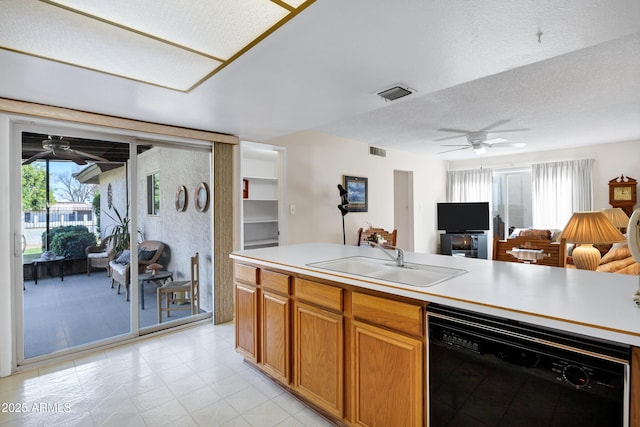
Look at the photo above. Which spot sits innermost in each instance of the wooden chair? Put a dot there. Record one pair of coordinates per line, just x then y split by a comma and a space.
389, 236
176, 292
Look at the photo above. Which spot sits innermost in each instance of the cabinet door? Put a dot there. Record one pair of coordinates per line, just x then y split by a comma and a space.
319, 357
387, 371
247, 321
275, 352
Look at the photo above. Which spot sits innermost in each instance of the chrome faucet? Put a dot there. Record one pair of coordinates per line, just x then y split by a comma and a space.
398, 259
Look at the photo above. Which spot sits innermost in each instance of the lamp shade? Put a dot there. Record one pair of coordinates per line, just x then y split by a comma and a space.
587, 228
591, 227
617, 217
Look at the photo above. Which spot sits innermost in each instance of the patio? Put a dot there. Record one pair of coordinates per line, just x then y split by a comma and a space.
79, 310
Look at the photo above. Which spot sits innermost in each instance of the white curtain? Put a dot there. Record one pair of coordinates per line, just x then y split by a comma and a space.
469, 185
559, 189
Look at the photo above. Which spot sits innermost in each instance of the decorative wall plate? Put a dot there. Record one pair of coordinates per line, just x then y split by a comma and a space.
202, 197
109, 196
181, 199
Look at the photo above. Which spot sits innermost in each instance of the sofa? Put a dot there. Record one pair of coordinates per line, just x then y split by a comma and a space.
619, 260
149, 252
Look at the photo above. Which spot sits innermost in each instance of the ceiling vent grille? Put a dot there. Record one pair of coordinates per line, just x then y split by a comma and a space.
395, 92
375, 151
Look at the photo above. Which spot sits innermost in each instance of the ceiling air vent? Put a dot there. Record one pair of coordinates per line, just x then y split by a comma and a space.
375, 151
395, 92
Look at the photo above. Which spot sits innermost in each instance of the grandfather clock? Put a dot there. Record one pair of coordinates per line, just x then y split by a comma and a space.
622, 193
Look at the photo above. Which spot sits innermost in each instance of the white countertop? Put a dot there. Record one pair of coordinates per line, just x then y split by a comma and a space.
590, 303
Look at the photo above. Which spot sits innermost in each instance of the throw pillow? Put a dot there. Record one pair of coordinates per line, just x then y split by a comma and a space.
124, 257
145, 255
618, 251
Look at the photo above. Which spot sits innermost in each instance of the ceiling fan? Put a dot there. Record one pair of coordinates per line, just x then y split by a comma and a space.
478, 140
60, 148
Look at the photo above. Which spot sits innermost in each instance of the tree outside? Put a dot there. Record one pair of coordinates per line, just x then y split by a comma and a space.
69, 189
63, 187
34, 185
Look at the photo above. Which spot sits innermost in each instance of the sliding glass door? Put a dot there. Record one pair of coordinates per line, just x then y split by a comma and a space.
174, 224
106, 220
67, 296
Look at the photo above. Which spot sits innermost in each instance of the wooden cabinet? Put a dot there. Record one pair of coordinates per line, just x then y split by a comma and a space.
387, 374
387, 368
319, 346
247, 321
357, 357
246, 311
318, 355
275, 326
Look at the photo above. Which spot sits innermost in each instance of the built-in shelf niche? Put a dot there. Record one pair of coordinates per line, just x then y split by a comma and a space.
260, 196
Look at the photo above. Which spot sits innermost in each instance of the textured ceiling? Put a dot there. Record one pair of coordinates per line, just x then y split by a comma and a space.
471, 63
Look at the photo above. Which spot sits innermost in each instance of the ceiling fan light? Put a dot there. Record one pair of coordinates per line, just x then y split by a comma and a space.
480, 150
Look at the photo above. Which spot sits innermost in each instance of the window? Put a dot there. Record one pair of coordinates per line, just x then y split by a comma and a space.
511, 201
153, 194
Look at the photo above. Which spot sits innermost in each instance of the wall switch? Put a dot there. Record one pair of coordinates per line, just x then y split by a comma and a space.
292, 209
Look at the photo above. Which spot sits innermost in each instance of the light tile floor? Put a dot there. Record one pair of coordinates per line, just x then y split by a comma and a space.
191, 377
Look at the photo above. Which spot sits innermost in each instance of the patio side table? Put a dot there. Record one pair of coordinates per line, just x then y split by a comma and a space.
159, 278
48, 262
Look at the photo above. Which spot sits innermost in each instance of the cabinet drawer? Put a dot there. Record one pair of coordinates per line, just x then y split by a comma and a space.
392, 314
276, 282
317, 293
246, 273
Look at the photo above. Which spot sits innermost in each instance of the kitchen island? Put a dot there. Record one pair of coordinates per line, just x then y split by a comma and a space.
316, 331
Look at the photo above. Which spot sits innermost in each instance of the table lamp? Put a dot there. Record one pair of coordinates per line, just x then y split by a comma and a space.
587, 229
617, 217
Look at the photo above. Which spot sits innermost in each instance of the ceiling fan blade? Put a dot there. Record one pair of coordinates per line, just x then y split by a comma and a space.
494, 141
508, 144
510, 130
35, 157
454, 145
494, 125
455, 149
70, 155
449, 137
90, 156
454, 130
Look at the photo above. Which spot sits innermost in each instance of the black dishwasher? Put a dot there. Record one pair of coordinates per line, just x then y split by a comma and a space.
490, 371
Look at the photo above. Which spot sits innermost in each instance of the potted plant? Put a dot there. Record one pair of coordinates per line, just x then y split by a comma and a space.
119, 231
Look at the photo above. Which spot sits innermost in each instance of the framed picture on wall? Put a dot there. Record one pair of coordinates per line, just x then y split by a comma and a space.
357, 193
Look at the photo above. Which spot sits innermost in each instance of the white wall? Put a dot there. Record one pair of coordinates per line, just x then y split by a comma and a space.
316, 164
611, 160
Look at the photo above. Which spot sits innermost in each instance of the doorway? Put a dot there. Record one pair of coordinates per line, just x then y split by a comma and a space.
403, 208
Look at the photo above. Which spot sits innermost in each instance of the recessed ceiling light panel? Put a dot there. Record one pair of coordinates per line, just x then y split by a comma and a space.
176, 45
219, 28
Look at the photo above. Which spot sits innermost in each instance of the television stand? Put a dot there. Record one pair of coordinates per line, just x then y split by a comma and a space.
469, 244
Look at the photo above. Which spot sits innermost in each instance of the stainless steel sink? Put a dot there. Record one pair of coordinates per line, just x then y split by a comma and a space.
354, 265
422, 275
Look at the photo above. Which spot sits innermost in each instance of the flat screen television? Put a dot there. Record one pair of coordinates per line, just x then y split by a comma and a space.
462, 217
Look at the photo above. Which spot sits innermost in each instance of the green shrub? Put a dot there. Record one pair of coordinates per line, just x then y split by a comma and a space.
70, 241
